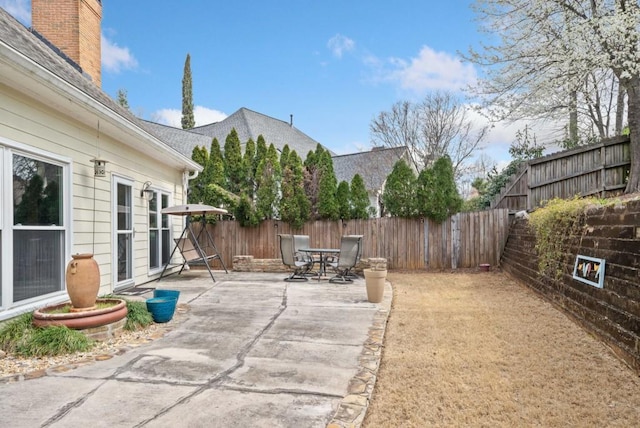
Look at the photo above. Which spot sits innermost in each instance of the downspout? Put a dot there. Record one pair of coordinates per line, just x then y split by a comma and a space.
186, 177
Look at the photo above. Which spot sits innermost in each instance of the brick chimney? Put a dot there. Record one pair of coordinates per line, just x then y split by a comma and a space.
73, 26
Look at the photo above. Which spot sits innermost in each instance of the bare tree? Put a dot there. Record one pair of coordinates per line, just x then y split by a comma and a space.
551, 54
437, 126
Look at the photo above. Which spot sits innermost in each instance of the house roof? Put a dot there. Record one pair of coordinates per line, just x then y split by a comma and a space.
250, 124
373, 166
35, 68
179, 139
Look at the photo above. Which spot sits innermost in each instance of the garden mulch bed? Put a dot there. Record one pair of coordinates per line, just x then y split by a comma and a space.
478, 349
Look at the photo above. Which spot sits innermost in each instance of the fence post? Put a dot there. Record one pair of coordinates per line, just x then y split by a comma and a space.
425, 223
455, 240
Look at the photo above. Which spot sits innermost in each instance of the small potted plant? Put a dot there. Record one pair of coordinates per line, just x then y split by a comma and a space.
375, 277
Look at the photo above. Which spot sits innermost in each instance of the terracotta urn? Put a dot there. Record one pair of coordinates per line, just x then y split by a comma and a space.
83, 282
375, 280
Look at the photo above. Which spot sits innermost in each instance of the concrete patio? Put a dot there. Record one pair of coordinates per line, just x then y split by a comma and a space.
251, 350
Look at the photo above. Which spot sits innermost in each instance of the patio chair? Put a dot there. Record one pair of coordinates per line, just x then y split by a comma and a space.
352, 274
349, 250
300, 267
302, 241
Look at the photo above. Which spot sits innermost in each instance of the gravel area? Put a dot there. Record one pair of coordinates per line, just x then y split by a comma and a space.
15, 368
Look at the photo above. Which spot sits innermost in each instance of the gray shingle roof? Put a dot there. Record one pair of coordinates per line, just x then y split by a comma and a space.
373, 166
250, 124
179, 139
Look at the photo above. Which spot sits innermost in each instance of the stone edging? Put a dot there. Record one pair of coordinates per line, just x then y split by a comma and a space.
354, 405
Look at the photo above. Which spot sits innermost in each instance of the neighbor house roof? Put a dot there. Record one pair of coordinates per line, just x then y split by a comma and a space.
250, 124
39, 70
373, 166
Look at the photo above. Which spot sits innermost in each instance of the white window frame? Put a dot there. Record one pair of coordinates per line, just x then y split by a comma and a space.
117, 179
157, 195
7, 149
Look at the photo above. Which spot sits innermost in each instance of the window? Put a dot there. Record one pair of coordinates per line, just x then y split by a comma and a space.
123, 231
159, 231
33, 225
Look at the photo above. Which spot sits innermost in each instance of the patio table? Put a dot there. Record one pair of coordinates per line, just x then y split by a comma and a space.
322, 252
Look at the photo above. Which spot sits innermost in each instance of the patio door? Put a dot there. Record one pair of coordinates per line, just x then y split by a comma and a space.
159, 232
123, 232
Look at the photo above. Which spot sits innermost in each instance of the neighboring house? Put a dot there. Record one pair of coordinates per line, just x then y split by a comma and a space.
54, 122
373, 166
250, 124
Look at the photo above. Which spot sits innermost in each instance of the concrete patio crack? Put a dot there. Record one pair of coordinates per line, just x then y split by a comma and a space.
220, 377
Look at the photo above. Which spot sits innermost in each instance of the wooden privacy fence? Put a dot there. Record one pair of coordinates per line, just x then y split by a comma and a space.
462, 241
597, 169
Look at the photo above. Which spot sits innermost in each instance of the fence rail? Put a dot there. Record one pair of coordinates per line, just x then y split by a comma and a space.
462, 241
598, 169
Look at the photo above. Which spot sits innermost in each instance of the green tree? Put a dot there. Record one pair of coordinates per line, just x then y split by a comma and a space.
121, 98
268, 179
188, 120
343, 198
294, 205
245, 212
399, 192
261, 152
312, 173
327, 204
359, 198
197, 191
248, 161
284, 156
235, 174
436, 192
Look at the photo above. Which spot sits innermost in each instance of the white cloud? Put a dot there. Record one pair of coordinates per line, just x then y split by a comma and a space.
116, 58
431, 70
202, 115
340, 44
19, 9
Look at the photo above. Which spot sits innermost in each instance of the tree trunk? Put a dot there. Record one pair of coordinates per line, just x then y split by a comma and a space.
633, 96
573, 119
620, 110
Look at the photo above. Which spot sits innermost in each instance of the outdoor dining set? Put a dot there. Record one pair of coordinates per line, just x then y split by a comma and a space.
307, 262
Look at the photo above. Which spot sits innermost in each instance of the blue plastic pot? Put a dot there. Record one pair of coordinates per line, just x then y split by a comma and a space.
161, 308
166, 293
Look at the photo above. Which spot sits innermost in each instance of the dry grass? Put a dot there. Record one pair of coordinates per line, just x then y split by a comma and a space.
480, 350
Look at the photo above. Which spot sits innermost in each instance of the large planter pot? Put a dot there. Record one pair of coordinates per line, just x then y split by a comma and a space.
83, 282
375, 280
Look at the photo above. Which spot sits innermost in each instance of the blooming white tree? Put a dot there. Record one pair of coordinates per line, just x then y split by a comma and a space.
544, 53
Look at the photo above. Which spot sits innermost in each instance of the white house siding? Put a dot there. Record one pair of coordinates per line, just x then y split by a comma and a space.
31, 124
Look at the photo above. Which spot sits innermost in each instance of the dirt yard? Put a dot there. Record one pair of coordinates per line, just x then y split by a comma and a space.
478, 349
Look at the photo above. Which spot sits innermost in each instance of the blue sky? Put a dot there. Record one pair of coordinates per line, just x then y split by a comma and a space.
333, 64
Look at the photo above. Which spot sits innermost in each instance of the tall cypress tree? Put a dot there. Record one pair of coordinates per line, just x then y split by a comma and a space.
268, 179
437, 194
327, 204
235, 175
343, 198
399, 192
249, 162
197, 186
359, 198
188, 120
294, 205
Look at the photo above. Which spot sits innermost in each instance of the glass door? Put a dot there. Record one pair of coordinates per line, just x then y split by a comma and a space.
123, 233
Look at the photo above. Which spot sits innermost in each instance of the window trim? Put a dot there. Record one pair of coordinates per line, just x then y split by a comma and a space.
115, 180
158, 193
7, 149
